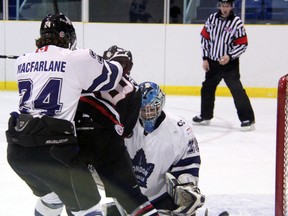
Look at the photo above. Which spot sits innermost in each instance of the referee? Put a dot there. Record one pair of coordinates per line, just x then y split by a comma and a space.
223, 41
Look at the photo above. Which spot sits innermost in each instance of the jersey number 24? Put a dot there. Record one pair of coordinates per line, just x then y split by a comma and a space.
47, 99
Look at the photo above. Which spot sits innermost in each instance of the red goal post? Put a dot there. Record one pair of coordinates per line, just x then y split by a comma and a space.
281, 181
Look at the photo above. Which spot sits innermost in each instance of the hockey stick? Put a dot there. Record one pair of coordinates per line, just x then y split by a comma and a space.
224, 213
9, 56
55, 6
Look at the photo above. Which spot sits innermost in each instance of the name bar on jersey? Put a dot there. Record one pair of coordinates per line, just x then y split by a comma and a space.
42, 66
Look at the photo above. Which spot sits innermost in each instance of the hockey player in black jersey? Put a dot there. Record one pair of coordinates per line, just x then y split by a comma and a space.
103, 121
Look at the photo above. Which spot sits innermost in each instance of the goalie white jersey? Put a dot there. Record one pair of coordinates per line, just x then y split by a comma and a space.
51, 79
171, 147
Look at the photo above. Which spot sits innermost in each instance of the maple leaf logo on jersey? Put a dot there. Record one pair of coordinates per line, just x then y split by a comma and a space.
141, 168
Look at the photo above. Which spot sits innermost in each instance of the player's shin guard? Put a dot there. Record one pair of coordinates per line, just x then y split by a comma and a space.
146, 209
48, 207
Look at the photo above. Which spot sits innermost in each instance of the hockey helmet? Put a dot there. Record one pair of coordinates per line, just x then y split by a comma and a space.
116, 53
153, 101
61, 26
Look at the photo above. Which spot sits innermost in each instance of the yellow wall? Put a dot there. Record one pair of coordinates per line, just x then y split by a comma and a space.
186, 90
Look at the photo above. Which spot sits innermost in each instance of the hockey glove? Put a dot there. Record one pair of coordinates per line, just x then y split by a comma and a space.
120, 55
186, 196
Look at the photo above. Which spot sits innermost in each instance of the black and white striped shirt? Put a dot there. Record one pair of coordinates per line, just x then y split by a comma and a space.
223, 36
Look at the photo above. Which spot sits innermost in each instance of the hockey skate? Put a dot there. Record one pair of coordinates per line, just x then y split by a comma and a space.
200, 120
247, 125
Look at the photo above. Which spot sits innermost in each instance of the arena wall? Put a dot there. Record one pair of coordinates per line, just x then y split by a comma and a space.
169, 55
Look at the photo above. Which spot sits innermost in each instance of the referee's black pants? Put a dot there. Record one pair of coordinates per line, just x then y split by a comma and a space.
231, 75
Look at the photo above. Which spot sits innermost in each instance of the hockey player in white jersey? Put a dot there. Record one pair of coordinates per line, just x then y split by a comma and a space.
165, 156
42, 146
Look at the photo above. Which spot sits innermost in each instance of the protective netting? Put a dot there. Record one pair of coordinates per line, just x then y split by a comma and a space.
285, 152
281, 193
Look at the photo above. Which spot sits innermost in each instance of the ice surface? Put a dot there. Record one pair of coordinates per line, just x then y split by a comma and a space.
237, 172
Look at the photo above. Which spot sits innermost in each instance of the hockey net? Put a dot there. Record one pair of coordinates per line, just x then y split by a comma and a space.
281, 181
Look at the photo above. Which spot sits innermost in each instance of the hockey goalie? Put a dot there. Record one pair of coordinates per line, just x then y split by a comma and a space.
165, 157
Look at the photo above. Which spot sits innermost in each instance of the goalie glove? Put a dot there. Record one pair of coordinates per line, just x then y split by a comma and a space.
120, 55
186, 196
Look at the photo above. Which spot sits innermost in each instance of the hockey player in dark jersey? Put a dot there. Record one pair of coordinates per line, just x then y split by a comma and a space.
103, 121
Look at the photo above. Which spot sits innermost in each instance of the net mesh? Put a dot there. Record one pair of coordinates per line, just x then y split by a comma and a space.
281, 193
285, 177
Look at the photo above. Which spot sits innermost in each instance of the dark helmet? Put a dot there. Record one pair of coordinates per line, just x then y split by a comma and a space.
121, 55
226, 1
59, 25
115, 51
231, 2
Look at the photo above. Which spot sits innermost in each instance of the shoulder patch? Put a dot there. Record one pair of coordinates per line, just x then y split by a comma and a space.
119, 129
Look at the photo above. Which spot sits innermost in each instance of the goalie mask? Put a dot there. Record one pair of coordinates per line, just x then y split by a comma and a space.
124, 57
59, 26
153, 100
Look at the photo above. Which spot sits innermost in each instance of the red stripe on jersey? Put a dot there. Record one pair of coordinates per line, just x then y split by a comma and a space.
205, 33
146, 211
102, 110
242, 40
